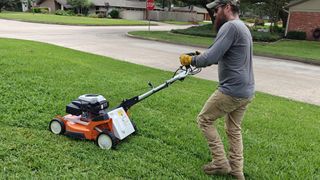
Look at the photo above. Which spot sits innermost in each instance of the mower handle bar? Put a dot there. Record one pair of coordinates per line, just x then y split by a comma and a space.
126, 104
179, 76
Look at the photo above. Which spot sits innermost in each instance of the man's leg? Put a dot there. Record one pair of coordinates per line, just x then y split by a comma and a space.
233, 130
216, 106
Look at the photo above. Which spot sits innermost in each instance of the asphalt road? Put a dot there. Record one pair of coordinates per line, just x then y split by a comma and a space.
288, 79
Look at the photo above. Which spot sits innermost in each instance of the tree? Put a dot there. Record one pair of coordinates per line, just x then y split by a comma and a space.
273, 8
8, 3
79, 5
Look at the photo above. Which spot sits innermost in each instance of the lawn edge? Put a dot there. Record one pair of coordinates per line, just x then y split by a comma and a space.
289, 58
45, 22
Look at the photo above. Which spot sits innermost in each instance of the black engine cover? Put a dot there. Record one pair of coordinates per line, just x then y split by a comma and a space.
88, 103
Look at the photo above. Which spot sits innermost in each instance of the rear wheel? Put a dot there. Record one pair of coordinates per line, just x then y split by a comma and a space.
56, 126
106, 140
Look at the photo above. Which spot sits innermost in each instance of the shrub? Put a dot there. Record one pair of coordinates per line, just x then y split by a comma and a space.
278, 29
299, 35
265, 36
102, 15
204, 31
43, 10
114, 14
36, 10
71, 12
93, 15
63, 13
207, 31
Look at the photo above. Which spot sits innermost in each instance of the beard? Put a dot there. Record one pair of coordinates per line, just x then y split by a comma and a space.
218, 22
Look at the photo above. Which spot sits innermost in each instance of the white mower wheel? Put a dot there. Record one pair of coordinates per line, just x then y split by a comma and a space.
56, 126
105, 140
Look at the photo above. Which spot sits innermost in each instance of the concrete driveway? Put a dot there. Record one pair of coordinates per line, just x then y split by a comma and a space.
288, 79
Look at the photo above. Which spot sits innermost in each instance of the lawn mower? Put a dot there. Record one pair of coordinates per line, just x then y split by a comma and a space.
88, 117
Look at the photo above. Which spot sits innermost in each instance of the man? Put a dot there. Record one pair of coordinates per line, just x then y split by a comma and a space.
232, 51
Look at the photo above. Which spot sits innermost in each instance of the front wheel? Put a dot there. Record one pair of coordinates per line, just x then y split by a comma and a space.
56, 126
106, 140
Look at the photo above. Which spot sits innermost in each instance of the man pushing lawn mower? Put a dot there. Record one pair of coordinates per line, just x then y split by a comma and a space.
232, 51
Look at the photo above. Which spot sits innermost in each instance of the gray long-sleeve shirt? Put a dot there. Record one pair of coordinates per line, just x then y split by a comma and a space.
232, 51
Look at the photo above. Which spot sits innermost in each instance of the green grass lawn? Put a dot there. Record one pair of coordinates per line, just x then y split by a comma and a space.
68, 20
305, 50
281, 137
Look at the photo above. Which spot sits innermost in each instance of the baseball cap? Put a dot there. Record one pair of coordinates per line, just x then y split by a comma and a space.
215, 3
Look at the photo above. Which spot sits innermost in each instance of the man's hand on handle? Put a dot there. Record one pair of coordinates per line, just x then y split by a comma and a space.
186, 59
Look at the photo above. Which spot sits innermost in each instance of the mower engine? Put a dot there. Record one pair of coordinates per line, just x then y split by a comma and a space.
88, 105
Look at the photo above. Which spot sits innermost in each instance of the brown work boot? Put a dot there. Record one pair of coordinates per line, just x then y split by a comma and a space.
214, 168
238, 176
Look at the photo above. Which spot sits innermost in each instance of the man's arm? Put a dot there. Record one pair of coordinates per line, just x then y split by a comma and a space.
221, 44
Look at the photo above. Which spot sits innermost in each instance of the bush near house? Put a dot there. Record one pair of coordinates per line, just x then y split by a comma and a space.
93, 15
114, 14
299, 35
101, 15
64, 13
43, 10
208, 31
265, 36
203, 31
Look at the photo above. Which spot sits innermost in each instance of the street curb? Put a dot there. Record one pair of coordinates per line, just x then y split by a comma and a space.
306, 61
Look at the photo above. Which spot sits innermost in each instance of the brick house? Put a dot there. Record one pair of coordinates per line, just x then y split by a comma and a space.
304, 15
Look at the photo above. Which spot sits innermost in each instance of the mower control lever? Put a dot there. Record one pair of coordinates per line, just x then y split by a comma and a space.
150, 85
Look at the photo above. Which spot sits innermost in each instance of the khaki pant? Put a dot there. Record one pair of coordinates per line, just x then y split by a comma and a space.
219, 105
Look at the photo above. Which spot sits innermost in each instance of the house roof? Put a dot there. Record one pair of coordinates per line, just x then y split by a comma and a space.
296, 2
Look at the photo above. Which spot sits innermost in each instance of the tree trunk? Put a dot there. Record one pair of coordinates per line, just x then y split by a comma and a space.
169, 5
284, 18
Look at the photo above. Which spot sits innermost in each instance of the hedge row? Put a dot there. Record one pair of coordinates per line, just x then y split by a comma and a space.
207, 31
204, 31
